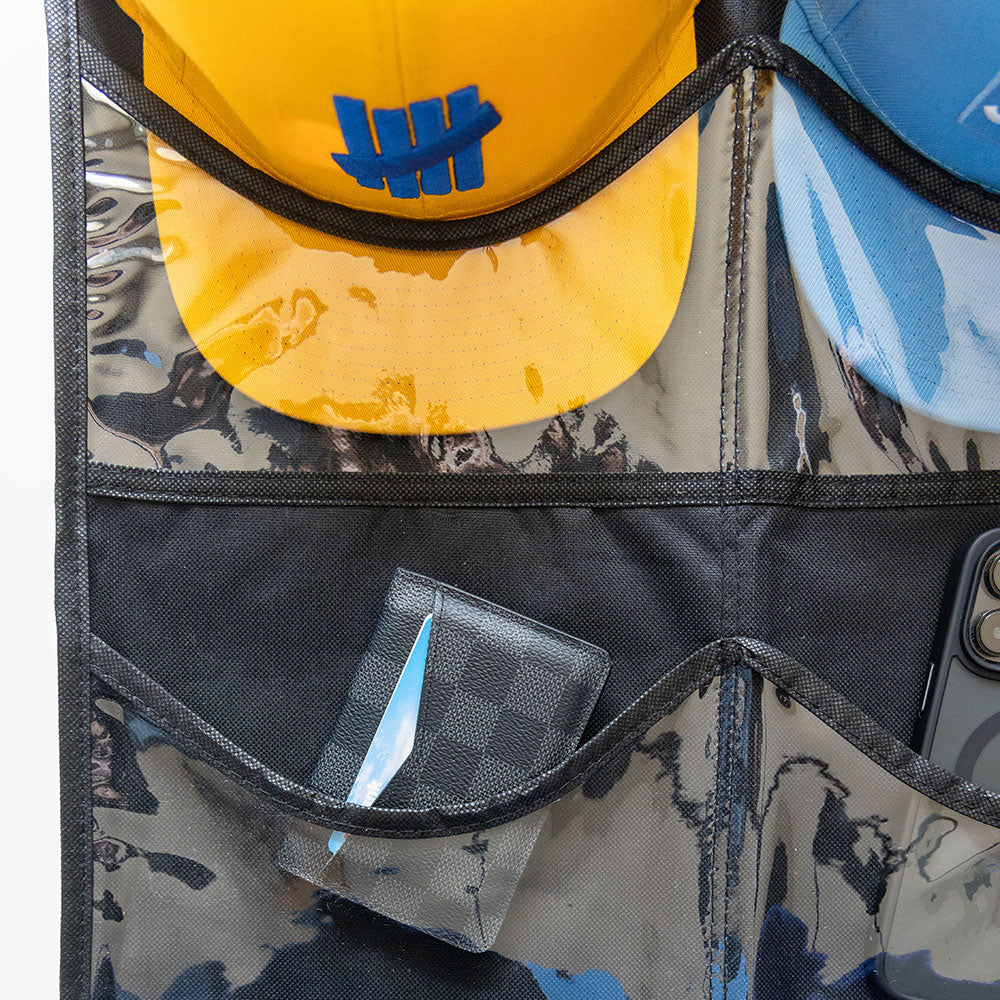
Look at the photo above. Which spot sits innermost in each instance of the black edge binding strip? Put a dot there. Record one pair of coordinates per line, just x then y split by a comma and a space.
965, 199
197, 737
71, 590
755, 487
617, 740
378, 229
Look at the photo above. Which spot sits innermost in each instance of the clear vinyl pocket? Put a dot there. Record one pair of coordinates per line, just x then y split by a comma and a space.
939, 918
871, 343
160, 397
740, 826
194, 844
855, 314
865, 882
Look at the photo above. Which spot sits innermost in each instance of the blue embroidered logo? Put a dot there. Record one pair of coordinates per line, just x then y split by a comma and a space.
433, 145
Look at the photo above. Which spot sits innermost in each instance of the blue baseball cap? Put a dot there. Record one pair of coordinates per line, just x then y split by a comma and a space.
908, 294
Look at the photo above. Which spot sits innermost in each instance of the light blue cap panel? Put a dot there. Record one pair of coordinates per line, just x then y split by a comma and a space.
909, 294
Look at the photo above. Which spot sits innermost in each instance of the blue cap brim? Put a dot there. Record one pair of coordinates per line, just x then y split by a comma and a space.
908, 294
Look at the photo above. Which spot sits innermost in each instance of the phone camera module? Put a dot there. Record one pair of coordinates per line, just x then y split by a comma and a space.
991, 574
986, 630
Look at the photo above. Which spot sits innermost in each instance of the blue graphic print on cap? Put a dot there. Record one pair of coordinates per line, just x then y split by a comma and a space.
594, 984
982, 116
400, 160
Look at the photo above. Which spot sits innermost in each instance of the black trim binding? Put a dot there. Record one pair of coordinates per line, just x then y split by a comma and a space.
378, 229
71, 607
615, 741
663, 489
965, 199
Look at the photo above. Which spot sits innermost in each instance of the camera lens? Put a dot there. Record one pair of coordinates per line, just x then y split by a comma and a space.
992, 574
987, 632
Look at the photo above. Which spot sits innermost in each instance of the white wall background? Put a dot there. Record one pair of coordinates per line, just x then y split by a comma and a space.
29, 853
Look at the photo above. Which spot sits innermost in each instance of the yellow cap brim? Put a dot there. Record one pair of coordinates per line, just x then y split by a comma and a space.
393, 341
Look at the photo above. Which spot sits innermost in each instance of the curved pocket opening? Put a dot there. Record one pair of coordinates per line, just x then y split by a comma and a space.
606, 750
643, 847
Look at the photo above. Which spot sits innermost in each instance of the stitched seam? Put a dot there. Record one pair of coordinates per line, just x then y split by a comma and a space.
71, 608
737, 515
80, 462
726, 320
766, 485
750, 118
736, 693
71, 470
734, 682
890, 504
208, 476
710, 949
731, 249
727, 298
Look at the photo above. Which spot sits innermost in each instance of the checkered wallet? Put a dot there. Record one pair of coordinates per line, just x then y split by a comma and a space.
504, 699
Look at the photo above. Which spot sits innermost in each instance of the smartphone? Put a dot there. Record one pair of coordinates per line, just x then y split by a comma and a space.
960, 719
931, 906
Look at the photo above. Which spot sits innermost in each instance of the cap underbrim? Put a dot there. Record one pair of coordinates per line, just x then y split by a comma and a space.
906, 292
394, 341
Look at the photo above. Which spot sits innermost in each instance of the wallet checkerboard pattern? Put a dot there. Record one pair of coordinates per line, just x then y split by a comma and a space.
504, 699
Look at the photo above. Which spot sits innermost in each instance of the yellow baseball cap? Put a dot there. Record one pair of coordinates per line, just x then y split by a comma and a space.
430, 111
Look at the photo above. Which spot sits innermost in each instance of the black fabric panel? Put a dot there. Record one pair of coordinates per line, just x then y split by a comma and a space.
256, 617
103, 23
855, 595
719, 22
